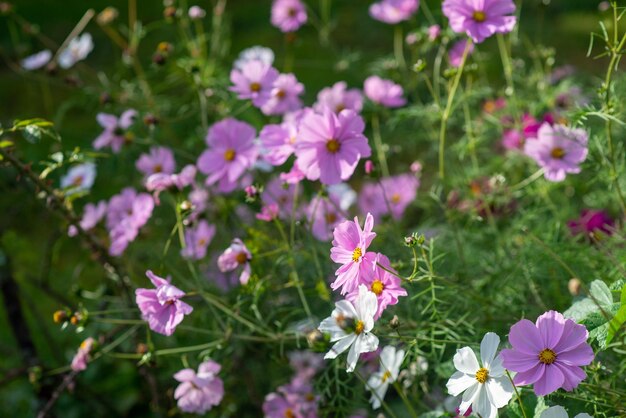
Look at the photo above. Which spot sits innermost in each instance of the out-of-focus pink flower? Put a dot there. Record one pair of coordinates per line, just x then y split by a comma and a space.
79, 178
254, 81
199, 392
282, 196
480, 19
384, 92
324, 216
306, 363
162, 307
339, 97
392, 195
197, 239
455, 55
294, 176
278, 141
288, 15
92, 214
329, 146
127, 212
235, 256
82, 356
196, 12
114, 134
512, 139
592, 223
433, 32
268, 212
393, 11
231, 152
159, 160
284, 95
369, 167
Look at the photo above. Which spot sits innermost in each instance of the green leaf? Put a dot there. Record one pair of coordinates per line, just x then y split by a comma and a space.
32, 133
5, 143
540, 407
601, 293
601, 299
41, 123
619, 318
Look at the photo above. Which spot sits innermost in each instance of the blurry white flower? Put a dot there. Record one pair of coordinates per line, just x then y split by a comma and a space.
560, 412
36, 61
378, 383
196, 12
76, 50
79, 178
255, 53
347, 196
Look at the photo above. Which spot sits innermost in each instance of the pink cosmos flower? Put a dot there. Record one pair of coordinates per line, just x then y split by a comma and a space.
455, 55
512, 139
339, 97
268, 212
82, 356
305, 363
278, 141
201, 391
159, 160
254, 81
329, 146
392, 195
385, 285
196, 12
114, 134
433, 32
393, 11
384, 92
197, 239
480, 19
548, 354
559, 150
127, 212
294, 176
288, 15
79, 178
92, 214
162, 307
282, 195
231, 152
284, 96
324, 215
235, 256
295, 400
592, 223
350, 250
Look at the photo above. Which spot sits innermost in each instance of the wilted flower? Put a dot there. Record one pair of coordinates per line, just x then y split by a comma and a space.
77, 50
339, 97
378, 383
79, 178
162, 307
201, 391
114, 134
159, 160
480, 19
36, 61
235, 256
548, 354
349, 326
288, 15
393, 11
384, 92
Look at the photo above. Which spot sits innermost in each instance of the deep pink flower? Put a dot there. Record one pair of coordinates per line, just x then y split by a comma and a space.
284, 95
548, 354
278, 141
92, 214
162, 307
512, 139
127, 212
329, 146
393, 11
288, 15
82, 356
324, 215
433, 32
384, 92
114, 134
455, 55
480, 19
159, 160
349, 249
385, 285
199, 392
235, 256
231, 152
197, 239
339, 97
559, 150
254, 81
592, 223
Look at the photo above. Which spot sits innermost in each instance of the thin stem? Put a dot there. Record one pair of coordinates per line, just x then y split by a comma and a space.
398, 47
378, 143
508, 73
519, 399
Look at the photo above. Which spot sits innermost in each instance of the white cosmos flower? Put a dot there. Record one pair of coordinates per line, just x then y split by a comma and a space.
76, 50
350, 325
79, 178
485, 388
560, 412
255, 53
378, 383
36, 61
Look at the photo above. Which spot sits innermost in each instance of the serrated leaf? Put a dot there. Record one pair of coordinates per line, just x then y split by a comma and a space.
601, 293
619, 319
602, 299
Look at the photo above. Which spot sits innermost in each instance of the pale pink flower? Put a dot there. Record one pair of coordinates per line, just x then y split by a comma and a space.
235, 256
197, 239
82, 356
288, 15
254, 81
393, 11
339, 97
199, 392
114, 134
159, 160
384, 92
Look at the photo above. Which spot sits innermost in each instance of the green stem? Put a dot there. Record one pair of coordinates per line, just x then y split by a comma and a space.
378, 143
519, 399
398, 47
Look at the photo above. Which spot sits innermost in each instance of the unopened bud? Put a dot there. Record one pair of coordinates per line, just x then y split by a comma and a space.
574, 285
395, 322
59, 316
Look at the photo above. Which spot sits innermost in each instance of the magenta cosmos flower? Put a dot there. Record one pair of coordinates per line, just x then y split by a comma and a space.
350, 250
284, 95
288, 15
384, 92
201, 391
393, 11
231, 152
235, 256
159, 160
592, 223
385, 285
162, 307
114, 134
339, 97
548, 353
559, 150
254, 81
329, 146
197, 239
480, 19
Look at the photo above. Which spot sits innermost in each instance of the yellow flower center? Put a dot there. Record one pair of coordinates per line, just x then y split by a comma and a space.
202, 242
333, 146
242, 258
386, 376
377, 287
547, 356
331, 218
479, 16
356, 254
359, 327
230, 154
157, 168
395, 198
482, 375
255, 87
289, 413
557, 153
